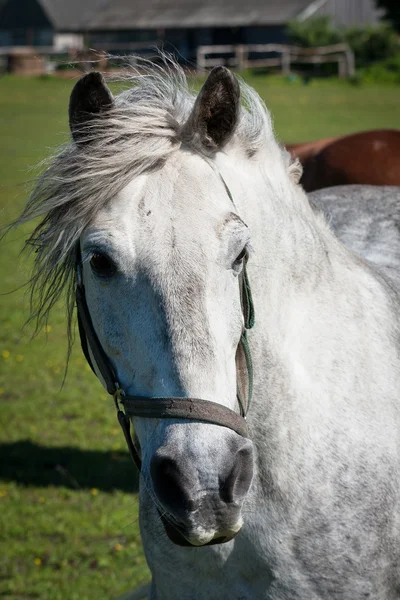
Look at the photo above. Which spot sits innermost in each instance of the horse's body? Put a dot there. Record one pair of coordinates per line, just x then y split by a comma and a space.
368, 157
139, 192
366, 219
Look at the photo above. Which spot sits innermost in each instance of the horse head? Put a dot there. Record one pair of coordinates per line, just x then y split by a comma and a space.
161, 265
146, 216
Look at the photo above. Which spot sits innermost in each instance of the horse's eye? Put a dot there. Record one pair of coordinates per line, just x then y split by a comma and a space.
237, 265
102, 265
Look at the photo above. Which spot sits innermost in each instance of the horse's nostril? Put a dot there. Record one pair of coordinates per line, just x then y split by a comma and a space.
235, 485
171, 486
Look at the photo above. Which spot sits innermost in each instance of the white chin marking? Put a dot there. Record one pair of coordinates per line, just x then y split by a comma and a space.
200, 536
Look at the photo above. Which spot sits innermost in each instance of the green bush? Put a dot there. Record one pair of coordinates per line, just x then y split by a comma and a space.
376, 47
372, 43
369, 43
317, 31
385, 71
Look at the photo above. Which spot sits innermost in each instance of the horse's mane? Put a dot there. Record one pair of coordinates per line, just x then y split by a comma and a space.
140, 132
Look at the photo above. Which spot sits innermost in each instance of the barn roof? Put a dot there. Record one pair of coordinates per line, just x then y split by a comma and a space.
116, 14
71, 15
107, 15
90, 15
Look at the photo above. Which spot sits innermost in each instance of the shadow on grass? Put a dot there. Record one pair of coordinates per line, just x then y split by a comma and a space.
32, 464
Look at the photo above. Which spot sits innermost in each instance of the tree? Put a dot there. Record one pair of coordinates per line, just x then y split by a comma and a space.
392, 11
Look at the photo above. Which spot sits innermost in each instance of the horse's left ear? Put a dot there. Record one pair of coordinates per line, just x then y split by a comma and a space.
215, 113
89, 99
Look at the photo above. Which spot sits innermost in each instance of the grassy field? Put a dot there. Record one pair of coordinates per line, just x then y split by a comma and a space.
68, 507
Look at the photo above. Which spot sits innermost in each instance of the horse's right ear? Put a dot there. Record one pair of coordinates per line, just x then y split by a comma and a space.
89, 99
215, 113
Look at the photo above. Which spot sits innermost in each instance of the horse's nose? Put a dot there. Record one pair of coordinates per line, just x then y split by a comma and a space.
176, 485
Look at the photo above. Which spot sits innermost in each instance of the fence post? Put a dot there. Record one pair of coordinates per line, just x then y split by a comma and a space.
350, 62
342, 66
285, 57
200, 60
240, 53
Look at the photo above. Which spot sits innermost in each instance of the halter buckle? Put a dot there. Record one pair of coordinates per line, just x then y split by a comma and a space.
117, 395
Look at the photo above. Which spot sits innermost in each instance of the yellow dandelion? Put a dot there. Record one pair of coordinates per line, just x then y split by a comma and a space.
42, 499
3, 493
94, 491
5, 353
47, 328
118, 547
38, 561
19, 358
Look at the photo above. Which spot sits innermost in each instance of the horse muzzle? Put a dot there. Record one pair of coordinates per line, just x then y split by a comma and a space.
181, 536
201, 510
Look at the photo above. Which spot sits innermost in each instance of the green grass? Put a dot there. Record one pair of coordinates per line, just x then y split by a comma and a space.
68, 504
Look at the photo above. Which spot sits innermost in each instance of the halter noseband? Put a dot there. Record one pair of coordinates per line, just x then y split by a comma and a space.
193, 409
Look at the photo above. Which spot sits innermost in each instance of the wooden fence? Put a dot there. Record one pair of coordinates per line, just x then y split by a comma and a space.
34, 61
245, 56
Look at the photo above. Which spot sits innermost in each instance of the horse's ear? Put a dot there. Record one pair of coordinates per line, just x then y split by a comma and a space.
215, 113
89, 99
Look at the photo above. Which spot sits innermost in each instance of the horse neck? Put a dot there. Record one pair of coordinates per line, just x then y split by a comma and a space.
324, 342
292, 265
309, 290
305, 283
291, 244
321, 345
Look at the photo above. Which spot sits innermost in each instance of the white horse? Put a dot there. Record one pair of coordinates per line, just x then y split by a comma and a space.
307, 506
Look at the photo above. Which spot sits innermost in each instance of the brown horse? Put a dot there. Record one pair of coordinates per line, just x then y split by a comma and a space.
368, 157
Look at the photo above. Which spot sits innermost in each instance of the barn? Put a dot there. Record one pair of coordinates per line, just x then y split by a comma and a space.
178, 25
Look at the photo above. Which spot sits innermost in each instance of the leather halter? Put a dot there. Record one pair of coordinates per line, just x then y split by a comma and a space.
192, 409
